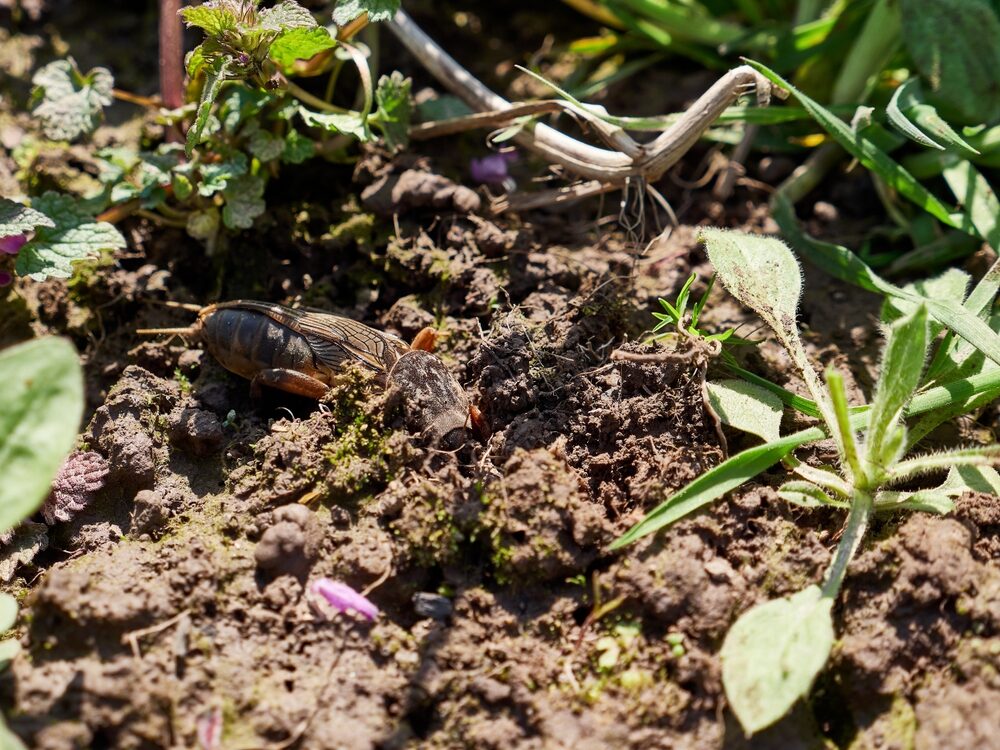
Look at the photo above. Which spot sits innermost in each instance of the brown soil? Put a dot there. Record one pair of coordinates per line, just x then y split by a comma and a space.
180, 591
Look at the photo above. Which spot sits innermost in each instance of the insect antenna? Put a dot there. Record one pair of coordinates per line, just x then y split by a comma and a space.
177, 305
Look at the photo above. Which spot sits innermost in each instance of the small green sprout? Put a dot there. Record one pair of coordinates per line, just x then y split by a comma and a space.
675, 319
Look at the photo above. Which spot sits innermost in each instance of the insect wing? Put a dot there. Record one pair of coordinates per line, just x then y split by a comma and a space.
334, 339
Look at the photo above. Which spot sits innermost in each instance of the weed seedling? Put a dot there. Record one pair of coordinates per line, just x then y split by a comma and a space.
774, 651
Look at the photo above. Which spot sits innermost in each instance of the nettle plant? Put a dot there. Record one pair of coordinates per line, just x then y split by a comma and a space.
774, 651
245, 118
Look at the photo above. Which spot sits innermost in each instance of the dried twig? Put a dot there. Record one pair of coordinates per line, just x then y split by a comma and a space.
628, 159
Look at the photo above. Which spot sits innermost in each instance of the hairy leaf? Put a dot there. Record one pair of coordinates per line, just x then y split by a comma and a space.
746, 407
393, 111
215, 76
17, 219
773, 653
908, 112
300, 44
266, 146
953, 43
39, 418
349, 123
377, 10
287, 14
74, 235
807, 495
902, 364
216, 176
68, 103
213, 18
976, 194
244, 201
298, 148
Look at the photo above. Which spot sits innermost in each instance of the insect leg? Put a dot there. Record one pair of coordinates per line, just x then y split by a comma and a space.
425, 340
289, 381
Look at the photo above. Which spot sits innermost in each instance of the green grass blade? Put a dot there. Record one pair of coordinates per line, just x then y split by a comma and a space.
867, 153
716, 482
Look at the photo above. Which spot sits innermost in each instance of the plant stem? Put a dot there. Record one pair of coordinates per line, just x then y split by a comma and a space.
171, 60
862, 507
300, 93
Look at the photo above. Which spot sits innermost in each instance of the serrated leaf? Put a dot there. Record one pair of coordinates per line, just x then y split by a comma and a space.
393, 110
39, 418
244, 201
300, 44
17, 219
194, 61
348, 123
217, 175
746, 407
772, 655
298, 148
953, 43
377, 10
68, 103
215, 76
212, 18
287, 14
75, 235
266, 146
902, 364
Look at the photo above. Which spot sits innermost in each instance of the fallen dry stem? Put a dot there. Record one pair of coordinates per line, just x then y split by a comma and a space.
628, 159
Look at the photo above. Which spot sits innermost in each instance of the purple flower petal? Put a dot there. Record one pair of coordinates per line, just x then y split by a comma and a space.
12, 244
491, 169
209, 728
343, 598
5, 278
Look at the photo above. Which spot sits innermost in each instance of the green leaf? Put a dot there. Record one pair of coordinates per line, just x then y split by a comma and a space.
918, 120
215, 76
843, 264
377, 10
212, 17
982, 209
953, 43
870, 155
761, 272
773, 653
216, 176
266, 146
9, 740
194, 61
393, 110
300, 44
17, 219
902, 364
8, 610
747, 464
74, 235
39, 419
68, 103
807, 495
746, 407
287, 14
298, 148
9, 648
244, 201
349, 123
715, 483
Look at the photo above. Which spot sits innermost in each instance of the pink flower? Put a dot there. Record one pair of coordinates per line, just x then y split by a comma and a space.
12, 244
343, 598
5, 278
492, 169
209, 728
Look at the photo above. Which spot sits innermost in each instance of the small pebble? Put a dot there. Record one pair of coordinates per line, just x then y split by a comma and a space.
435, 606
